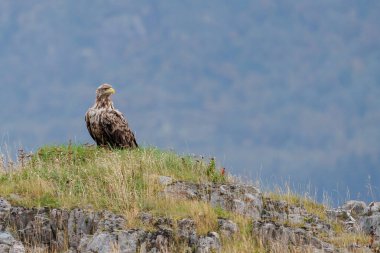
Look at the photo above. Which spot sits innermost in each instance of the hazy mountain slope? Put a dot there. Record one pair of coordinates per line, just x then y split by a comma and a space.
276, 89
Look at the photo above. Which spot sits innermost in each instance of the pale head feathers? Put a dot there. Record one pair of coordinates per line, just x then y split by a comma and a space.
104, 90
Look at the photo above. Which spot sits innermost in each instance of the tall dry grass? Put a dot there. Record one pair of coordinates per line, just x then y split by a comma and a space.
126, 182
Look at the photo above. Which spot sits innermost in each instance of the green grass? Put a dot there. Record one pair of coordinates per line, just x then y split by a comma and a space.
122, 181
127, 182
76, 175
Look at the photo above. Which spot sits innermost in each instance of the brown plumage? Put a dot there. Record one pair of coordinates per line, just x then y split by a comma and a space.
106, 125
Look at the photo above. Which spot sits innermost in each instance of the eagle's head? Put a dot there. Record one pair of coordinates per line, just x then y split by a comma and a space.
104, 91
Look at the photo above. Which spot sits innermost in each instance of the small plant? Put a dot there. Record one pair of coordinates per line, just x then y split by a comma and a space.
211, 169
214, 175
221, 212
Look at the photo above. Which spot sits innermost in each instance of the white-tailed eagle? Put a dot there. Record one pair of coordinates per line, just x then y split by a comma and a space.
106, 125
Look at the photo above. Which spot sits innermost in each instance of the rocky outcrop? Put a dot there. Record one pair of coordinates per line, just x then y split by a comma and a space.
275, 223
279, 223
80, 230
285, 224
272, 233
358, 217
238, 198
369, 223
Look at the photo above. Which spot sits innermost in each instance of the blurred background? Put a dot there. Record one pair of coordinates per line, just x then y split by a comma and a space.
278, 91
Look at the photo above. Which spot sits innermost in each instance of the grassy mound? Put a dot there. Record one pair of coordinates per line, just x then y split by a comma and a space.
127, 182
119, 180
122, 181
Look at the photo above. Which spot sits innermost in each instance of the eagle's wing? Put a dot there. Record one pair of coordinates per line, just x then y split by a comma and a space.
88, 124
116, 128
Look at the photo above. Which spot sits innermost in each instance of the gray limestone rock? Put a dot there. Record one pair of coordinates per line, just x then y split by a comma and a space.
338, 214
33, 225
101, 242
129, 241
5, 209
4, 248
8, 244
111, 222
187, 231
126, 241
270, 232
39, 229
81, 222
355, 207
284, 213
373, 208
59, 223
7, 239
370, 224
56, 228
227, 227
159, 241
242, 199
18, 247
187, 190
209, 243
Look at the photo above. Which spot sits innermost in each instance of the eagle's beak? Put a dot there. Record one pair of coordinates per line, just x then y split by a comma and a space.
111, 91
